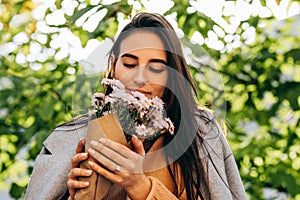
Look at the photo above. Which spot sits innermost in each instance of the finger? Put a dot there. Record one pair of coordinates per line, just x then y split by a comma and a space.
104, 172
130, 158
76, 172
138, 145
108, 152
74, 184
71, 193
117, 147
80, 146
106, 162
78, 158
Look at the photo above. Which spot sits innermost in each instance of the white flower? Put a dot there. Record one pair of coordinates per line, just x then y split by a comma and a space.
96, 98
140, 130
157, 118
150, 131
119, 94
143, 101
109, 99
157, 102
105, 113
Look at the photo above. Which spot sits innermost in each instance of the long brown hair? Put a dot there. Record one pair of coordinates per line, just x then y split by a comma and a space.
180, 105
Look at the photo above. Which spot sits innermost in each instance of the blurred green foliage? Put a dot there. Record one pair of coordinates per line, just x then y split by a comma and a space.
259, 92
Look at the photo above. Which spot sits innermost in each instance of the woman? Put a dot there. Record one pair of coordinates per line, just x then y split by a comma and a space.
195, 163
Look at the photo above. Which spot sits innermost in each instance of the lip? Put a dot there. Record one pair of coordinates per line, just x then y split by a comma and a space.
141, 91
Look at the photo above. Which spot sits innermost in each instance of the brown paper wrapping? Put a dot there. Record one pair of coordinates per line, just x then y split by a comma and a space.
104, 127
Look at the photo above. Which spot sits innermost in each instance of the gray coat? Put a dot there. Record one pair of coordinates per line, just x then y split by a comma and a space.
49, 176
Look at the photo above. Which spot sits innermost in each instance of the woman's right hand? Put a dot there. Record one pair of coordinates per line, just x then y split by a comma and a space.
73, 182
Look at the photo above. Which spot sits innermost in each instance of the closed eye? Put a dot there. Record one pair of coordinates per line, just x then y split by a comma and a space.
157, 70
129, 65
157, 67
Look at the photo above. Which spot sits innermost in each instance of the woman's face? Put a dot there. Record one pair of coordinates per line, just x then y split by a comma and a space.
142, 64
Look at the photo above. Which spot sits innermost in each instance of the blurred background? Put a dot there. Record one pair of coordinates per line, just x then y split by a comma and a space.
244, 56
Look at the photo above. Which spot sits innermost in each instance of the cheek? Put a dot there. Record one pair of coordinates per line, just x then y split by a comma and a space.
159, 79
122, 73
159, 85
125, 75
160, 90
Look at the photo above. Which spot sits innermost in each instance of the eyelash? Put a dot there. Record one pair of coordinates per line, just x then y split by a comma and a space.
150, 68
129, 65
156, 70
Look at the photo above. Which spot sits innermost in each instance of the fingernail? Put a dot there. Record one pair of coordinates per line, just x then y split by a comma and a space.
90, 163
86, 183
94, 143
88, 172
102, 140
135, 137
91, 151
82, 140
83, 155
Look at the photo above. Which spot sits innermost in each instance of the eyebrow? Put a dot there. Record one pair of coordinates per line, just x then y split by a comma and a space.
130, 56
151, 60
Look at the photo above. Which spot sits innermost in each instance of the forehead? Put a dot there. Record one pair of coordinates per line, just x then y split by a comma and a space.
140, 41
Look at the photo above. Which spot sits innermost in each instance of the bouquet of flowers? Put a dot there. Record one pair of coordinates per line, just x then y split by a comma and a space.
121, 111
137, 114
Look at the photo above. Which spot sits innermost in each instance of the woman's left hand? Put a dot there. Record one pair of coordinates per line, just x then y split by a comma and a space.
122, 165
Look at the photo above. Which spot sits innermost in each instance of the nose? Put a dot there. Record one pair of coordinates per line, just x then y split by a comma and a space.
140, 77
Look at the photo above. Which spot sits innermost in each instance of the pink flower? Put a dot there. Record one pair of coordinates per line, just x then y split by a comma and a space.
171, 127
147, 115
114, 83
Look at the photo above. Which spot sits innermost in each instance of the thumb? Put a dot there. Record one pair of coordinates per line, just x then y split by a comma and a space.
138, 145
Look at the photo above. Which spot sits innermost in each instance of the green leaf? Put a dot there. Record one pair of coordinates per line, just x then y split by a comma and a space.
16, 191
79, 13
294, 53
